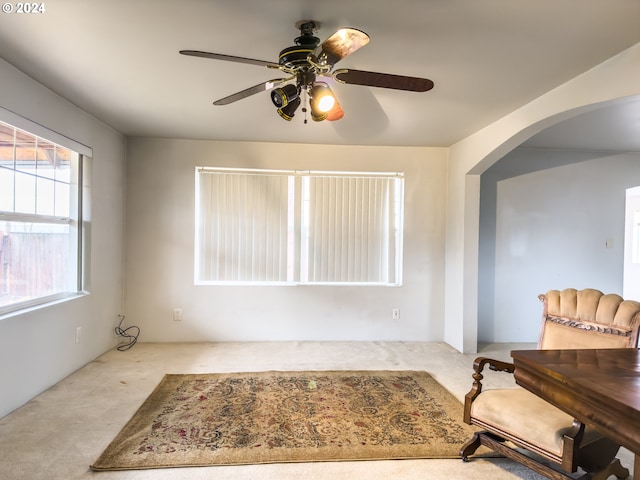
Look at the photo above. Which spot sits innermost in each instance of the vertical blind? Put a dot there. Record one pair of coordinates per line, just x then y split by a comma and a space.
243, 227
298, 227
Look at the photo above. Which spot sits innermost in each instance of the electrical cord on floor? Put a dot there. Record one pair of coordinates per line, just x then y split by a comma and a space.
124, 333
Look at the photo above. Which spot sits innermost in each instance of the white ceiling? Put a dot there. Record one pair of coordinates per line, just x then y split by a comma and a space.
118, 60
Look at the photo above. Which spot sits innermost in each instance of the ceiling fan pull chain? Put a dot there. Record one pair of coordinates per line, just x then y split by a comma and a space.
304, 107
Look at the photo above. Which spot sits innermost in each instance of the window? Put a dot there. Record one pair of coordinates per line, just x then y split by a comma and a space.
40, 206
291, 227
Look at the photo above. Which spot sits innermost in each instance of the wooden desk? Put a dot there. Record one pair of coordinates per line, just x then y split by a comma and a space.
601, 388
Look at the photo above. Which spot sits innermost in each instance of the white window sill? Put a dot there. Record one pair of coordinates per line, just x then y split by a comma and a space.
11, 311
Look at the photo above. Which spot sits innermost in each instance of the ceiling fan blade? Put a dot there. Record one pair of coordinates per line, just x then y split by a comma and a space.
383, 80
261, 87
230, 58
342, 43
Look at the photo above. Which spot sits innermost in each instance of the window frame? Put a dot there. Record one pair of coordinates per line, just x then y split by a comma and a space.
74, 220
297, 229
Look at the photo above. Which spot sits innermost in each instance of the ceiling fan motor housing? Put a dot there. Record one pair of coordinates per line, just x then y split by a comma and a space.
295, 57
305, 61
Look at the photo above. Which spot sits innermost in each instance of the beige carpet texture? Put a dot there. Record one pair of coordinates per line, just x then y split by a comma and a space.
62, 431
267, 417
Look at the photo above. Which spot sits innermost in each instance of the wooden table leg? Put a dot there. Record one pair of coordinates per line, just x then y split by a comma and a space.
636, 466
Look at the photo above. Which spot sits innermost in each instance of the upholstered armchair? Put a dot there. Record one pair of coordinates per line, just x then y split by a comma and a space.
525, 428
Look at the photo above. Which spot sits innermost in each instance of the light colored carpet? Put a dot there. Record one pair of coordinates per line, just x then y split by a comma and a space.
62, 431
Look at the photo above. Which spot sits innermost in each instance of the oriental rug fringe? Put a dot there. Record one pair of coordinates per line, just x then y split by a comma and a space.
274, 417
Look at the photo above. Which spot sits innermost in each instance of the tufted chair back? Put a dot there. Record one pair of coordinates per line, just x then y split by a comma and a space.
588, 319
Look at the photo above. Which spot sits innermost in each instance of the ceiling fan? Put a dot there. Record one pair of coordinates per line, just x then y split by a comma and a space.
308, 60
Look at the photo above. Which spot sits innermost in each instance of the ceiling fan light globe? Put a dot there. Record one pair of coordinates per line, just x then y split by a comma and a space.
322, 101
326, 103
318, 116
282, 96
288, 112
336, 113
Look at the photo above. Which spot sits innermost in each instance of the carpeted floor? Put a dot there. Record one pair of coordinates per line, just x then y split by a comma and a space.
277, 417
62, 431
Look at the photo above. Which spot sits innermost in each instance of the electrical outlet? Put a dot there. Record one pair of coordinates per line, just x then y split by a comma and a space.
78, 331
395, 314
177, 314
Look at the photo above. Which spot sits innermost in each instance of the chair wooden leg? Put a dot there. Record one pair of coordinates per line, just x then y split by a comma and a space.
470, 447
614, 468
496, 444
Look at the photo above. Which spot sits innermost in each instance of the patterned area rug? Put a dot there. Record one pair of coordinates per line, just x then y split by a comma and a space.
271, 417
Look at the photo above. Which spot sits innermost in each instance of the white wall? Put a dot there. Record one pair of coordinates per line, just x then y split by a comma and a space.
159, 250
555, 228
37, 349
